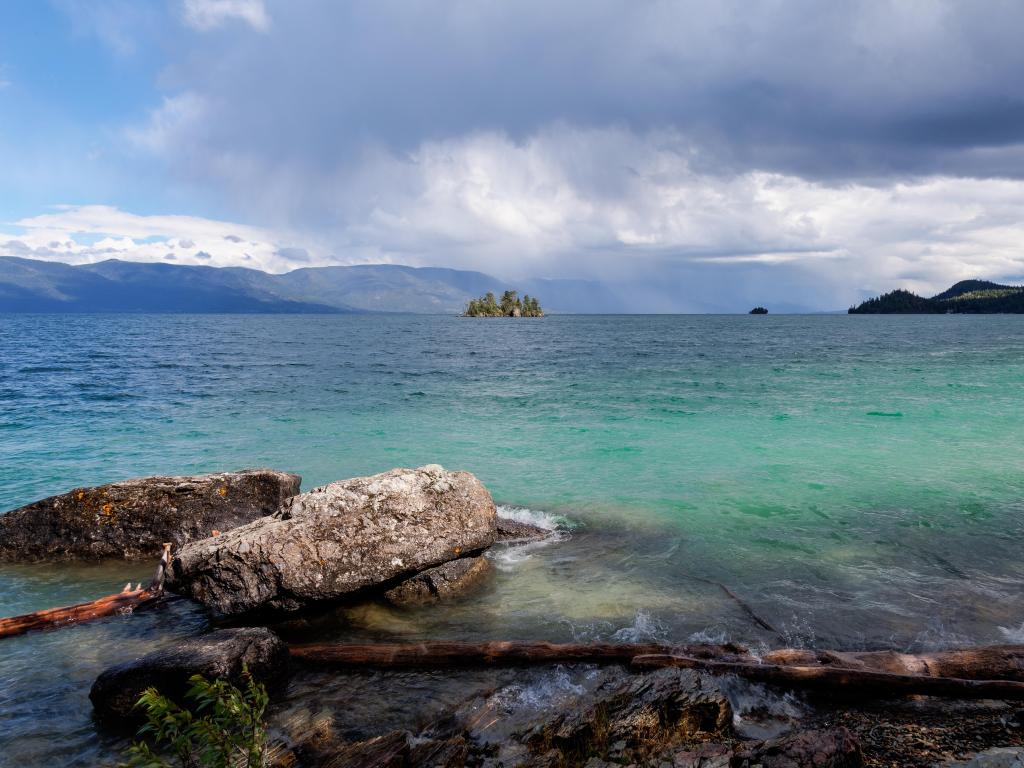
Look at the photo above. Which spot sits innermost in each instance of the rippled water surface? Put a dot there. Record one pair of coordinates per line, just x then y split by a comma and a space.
859, 480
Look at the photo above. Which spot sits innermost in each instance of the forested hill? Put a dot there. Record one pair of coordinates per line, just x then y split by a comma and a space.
967, 296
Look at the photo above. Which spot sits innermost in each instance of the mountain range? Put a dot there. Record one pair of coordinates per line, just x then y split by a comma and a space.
965, 297
29, 285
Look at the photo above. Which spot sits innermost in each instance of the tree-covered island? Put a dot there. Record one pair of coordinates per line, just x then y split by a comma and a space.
510, 306
965, 297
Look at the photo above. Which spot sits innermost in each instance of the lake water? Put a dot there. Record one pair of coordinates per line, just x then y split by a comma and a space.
858, 480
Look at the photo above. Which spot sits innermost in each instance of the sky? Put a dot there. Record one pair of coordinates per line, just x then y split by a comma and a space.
700, 155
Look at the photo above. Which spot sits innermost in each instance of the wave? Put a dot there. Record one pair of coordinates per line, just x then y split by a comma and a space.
546, 520
507, 557
644, 629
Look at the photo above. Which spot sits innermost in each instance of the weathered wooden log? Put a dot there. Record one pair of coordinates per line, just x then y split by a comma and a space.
838, 679
1004, 662
986, 672
498, 653
127, 601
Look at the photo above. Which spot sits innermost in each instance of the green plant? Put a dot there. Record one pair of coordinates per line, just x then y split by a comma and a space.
224, 729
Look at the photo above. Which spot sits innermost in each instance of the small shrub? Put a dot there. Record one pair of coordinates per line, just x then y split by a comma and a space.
225, 730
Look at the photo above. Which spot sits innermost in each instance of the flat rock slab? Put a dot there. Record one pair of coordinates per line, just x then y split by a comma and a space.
220, 654
342, 538
131, 519
443, 582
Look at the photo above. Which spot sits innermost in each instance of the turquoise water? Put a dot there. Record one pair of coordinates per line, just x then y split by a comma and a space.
859, 480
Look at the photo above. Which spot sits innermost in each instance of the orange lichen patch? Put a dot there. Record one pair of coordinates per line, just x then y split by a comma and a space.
223, 491
80, 495
458, 550
216, 532
107, 508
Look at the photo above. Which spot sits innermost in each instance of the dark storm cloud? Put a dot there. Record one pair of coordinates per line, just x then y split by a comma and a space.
823, 90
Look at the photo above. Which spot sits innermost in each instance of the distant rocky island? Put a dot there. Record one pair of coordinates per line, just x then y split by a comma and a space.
758, 311
510, 306
967, 297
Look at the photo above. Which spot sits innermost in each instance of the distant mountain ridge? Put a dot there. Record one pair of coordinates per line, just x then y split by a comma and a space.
29, 285
965, 297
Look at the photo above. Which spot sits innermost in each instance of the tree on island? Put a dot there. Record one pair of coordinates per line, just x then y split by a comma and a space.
511, 306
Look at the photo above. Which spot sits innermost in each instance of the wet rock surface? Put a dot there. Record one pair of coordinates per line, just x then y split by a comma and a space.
514, 530
342, 538
667, 719
635, 719
131, 519
220, 654
441, 582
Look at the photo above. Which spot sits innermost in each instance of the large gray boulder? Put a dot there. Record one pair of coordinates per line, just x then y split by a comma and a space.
223, 654
347, 536
131, 519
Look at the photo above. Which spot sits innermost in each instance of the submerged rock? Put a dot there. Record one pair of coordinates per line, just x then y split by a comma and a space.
220, 654
442, 582
131, 519
514, 530
344, 537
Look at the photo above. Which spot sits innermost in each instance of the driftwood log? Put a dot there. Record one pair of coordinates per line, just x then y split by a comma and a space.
126, 601
841, 680
494, 653
994, 672
1003, 662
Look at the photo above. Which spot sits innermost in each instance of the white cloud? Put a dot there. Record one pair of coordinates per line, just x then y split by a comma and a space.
167, 122
90, 233
209, 14
569, 202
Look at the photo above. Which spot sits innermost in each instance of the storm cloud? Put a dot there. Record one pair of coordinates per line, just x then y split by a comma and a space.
867, 89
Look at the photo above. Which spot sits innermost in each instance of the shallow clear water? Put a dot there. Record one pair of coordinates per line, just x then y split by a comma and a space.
858, 480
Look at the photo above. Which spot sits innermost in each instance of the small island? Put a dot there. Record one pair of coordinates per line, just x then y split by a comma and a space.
510, 306
758, 311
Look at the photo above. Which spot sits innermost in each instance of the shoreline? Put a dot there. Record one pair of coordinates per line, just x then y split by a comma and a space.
529, 700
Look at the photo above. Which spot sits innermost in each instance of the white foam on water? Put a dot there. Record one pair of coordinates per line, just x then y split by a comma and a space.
710, 636
644, 629
508, 556
552, 688
758, 711
545, 520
